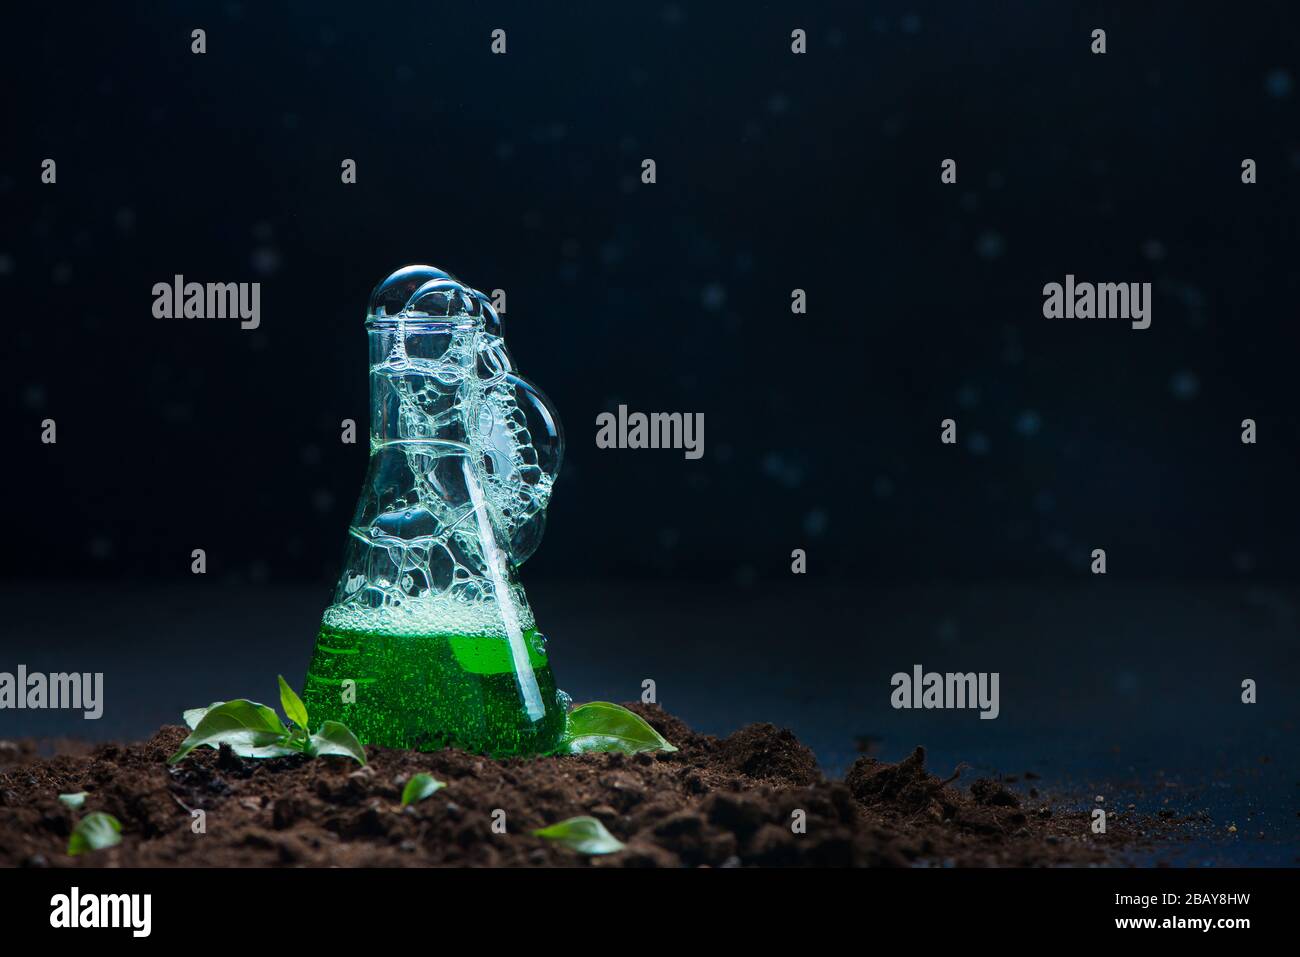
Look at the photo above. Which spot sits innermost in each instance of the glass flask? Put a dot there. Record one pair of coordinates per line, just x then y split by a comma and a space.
429, 640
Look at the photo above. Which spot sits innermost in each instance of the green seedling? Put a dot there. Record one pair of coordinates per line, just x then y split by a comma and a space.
585, 835
292, 704
420, 787
253, 730
94, 832
603, 726
74, 801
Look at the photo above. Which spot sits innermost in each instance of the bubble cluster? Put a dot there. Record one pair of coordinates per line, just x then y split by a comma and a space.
464, 455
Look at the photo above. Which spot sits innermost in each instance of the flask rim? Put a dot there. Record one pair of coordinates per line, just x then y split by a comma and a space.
422, 323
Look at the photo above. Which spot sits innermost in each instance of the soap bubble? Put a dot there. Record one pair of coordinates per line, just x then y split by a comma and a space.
493, 360
542, 422
391, 296
491, 321
442, 299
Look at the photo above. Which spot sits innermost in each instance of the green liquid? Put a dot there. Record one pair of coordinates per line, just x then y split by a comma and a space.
433, 691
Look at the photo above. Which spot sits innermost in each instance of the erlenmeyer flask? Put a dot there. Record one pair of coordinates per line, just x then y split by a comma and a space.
429, 640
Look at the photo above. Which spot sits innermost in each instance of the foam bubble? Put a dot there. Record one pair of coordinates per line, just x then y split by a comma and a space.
438, 615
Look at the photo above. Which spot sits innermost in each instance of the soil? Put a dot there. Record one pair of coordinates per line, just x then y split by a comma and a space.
726, 802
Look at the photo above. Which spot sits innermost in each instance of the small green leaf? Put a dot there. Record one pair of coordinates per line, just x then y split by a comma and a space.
603, 726
73, 801
94, 832
194, 715
420, 787
335, 738
585, 835
252, 730
292, 704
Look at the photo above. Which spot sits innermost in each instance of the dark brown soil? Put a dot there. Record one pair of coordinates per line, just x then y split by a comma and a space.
719, 802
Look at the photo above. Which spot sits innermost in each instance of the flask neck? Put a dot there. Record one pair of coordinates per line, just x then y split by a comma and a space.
419, 377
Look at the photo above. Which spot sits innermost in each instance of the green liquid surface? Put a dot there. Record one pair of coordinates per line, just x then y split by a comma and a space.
433, 691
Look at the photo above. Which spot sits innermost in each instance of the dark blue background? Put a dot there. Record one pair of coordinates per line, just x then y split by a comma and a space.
775, 171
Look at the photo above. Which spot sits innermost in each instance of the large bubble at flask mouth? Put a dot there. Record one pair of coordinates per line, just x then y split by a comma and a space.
427, 292
391, 296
